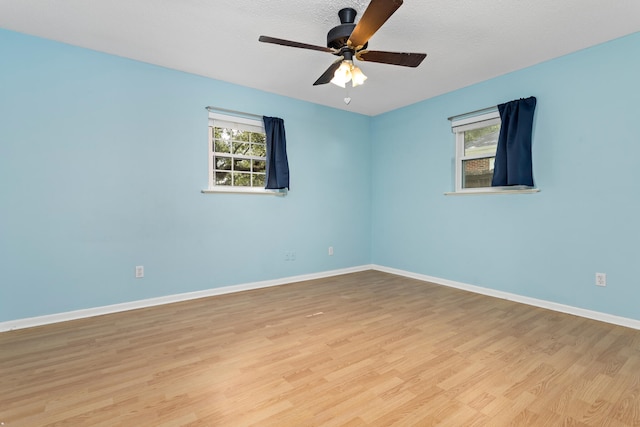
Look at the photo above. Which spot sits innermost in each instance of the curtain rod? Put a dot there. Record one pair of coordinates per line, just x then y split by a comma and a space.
233, 112
473, 113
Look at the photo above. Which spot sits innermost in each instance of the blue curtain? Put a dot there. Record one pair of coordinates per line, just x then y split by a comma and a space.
277, 163
513, 155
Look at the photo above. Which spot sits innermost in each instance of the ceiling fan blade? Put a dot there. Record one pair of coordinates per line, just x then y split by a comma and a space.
374, 16
267, 39
394, 58
328, 75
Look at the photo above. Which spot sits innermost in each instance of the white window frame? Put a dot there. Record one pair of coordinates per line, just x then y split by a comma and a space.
241, 123
461, 124
459, 127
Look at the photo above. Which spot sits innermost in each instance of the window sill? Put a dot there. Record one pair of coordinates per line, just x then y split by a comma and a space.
516, 189
248, 190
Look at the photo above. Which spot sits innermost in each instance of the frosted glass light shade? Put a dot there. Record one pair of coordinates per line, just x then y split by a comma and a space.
347, 71
357, 77
342, 74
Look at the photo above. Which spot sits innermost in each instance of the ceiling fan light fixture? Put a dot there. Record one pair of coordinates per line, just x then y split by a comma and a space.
342, 74
357, 77
347, 71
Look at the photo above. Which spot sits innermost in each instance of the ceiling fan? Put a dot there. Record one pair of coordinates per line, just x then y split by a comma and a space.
349, 40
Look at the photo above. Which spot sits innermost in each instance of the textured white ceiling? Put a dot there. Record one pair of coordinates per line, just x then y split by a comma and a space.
467, 41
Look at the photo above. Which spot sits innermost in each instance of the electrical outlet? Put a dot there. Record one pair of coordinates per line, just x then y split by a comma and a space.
330, 250
139, 271
601, 279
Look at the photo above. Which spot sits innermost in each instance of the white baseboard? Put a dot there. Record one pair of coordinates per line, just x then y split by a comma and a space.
133, 305
576, 311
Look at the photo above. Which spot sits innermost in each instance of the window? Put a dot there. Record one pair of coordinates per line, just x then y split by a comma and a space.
476, 143
476, 136
237, 154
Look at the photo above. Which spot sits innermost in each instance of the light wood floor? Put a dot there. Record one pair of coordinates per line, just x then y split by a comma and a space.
362, 349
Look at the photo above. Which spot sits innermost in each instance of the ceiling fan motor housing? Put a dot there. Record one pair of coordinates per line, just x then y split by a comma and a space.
337, 36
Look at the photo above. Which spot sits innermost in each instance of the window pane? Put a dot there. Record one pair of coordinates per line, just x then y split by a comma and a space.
239, 135
242, 165
241, 148
226, 134
223, 178
221, 146
477, 173
217, 132
222, 163
258, 150
258, 137
242, 179
481, 141
259, 166
259, 180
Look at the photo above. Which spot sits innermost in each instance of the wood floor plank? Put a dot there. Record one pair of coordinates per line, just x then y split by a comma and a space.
362, 349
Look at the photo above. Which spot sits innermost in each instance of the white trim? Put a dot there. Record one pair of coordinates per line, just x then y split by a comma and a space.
244, 190
459, 153
256, 125
477, 115
210, 159
471, 123
549, 305
240, 123
516, 189
168, 299
475, 122
133, 305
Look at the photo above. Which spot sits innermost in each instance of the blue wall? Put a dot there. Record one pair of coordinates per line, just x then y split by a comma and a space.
102, 160
548, 245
